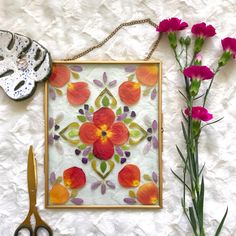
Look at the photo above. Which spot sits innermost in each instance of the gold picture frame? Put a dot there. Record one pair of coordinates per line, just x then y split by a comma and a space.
159, 150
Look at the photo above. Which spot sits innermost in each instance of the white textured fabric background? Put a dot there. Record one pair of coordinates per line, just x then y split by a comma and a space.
67, 27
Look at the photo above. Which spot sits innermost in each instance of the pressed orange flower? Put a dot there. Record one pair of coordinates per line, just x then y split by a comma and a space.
74, 177
103, 133
129, 92
59, 194
148, 194
77, 93
147, 74
60, 76
129, 176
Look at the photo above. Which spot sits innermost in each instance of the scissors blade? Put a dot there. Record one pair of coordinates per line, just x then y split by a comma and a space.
32, 176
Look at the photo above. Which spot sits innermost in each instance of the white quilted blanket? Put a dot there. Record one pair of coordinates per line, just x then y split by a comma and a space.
68, 27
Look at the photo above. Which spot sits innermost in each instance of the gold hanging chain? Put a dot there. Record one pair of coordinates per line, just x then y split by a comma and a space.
130, 23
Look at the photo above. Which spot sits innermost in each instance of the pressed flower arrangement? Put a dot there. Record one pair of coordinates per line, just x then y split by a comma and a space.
195, 117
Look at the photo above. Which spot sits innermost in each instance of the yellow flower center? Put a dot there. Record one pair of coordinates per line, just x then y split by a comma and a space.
135, 183
136, 85
70, 86
103, 133
154, 200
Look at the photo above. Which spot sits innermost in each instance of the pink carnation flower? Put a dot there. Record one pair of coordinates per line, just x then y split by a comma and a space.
171, 25
199, 113
202, 30
198, 72
229, 44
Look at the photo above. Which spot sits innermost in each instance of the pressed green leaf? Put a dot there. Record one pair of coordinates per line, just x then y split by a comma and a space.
74, 193
103, 166
147, 177
59, 92
82, 146
146, 92
192, 218
59, 179
125, 147
73, 133
82, 118
118, 111
221, 223
117, 158
127, 120
132, 194
75, 75
135, 133
105, 101
90, 156
91, 109
131, 77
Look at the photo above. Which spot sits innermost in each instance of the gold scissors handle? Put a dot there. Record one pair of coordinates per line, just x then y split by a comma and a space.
33, 211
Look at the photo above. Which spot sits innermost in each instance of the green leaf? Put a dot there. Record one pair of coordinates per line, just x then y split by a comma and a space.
103, 166
82, 118
117, 158
91, 109
82, 146
125, 147
131, 77
201, 202
221, 223
184, 132
127, 120
147, 177
132, 194
59, 92
146, 92
90, 156
105, 101
73, 133
135, 133
192, 218
59, 179
74, 193
75, 75
118, 111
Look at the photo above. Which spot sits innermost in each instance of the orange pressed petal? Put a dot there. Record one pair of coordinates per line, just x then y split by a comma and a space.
58, 194
147, 74
103, 116
148, 194
129, 92
77, 93
129, 176
103, 149
88, 133
74, 177
119, 133
60, 76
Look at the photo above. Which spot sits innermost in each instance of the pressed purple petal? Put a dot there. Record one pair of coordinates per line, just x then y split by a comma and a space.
77, 201
95, 185
104, 77
56, 127
122, 160
130, 68
56, 137
50, 139
110, 184
103, 188
153, 94
119, 151
154, 142
127, 153
84, 160
154, 125
52, 93
86, 107
50, 123
77, 152
154, 176
129, 200
76, 68
112, 83
81, 111
98, 83
86, 151
121, 117
133, 114
147, 148
52, 178
88, 116
149, 139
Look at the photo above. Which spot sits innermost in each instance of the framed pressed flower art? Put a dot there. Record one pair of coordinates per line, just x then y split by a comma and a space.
104, 135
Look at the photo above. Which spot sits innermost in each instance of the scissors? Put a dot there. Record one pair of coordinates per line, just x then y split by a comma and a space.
33, 211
